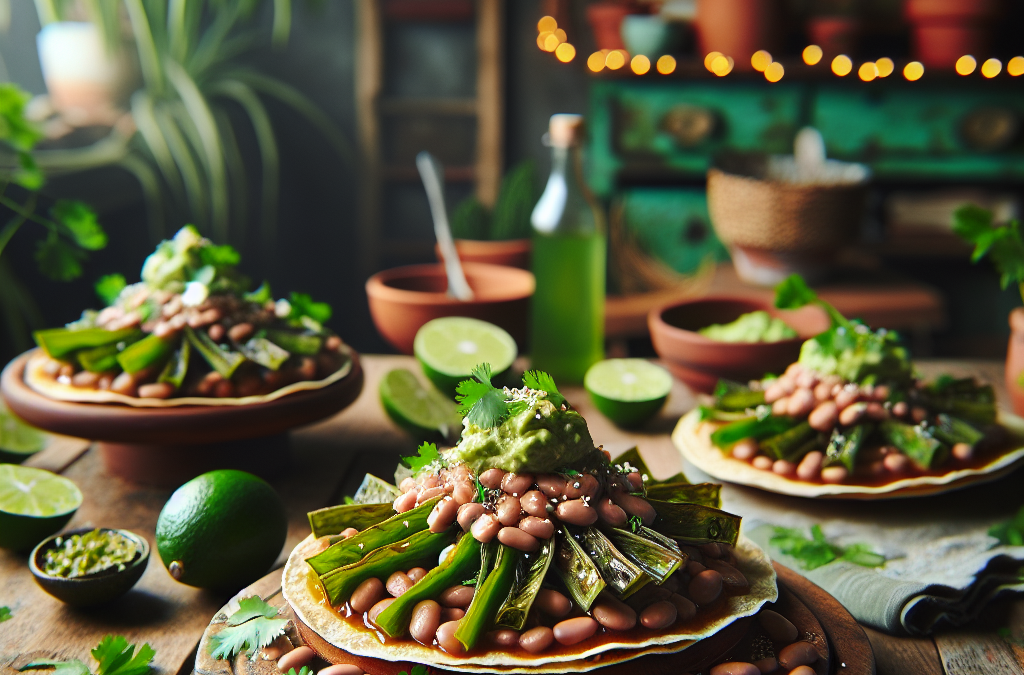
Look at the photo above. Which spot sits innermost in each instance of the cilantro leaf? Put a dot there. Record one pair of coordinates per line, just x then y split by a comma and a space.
5, 614
425, 454
1003, 244
73, 667
80, 221
261, 294
219, 256
304, 670
116, 656
109, 286
817, 551
58, 259
794, 293
250, 636
250, 608
537, 379
303, 305
481, 402
1010, 532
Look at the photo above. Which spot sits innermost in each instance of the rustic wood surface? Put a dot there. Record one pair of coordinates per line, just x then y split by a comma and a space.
328, 461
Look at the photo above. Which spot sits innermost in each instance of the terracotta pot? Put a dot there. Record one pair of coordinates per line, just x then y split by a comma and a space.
945, 30
510, 253
738, 28
834, 34
404, 298
605, 20
700, 361
1015, 361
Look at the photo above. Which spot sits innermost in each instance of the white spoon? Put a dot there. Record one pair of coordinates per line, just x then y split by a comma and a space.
431, 174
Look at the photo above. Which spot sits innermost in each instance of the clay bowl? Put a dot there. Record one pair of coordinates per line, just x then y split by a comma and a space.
92, 589
512, 252
165, 447
700, 361
404, 298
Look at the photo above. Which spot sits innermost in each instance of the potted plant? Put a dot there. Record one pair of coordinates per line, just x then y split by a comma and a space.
500, 236
1005, 247
738, 28
945, 30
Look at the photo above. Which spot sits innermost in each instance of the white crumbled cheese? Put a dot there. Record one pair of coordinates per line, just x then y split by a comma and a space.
282, 308
406, 523
195, 294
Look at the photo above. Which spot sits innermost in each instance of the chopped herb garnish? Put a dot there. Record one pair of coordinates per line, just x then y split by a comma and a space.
251, 628
1010, 532
480, 402
426, 454
302, 305
537, 379
5, 614
114, 656
109, 287
817, 551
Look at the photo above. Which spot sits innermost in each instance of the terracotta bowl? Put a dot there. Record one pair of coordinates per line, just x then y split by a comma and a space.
700, 361
512, 253
404, 298
165, 447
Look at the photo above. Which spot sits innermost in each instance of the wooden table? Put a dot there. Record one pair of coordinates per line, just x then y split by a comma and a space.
328, 461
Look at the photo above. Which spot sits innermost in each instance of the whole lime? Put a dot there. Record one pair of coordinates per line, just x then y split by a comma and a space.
221, 530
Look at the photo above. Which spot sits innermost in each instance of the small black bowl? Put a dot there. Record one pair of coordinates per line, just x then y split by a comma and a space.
94, 588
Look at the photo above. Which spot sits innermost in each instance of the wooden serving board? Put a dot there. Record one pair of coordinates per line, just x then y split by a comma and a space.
840, 641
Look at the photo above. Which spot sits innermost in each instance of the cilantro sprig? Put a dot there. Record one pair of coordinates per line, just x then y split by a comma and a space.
1010, 532
251, 628
537, 379
817, 551
5, 614
1002, 244
114, 656
487, 406
426, 454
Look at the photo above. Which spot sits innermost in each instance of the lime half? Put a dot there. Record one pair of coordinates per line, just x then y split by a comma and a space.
17, 439
450, 347
422, 411
627, 391
33, 505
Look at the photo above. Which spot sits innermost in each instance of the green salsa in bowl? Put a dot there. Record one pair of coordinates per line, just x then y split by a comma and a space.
89, 566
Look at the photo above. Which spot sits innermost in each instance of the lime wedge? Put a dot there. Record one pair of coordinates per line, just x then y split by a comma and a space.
33, 505
627, 391
450, 347
422, 411
17, 439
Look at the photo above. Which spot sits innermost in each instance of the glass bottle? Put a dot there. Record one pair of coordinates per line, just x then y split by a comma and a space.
569, 250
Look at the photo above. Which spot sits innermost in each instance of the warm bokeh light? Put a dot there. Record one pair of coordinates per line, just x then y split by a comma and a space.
548, 42
710, 58
867, 71
913, 71
595, 62
774, 72
615, 59
761, 60
991, 68
666, 65
722, 65
842, 65
547, 24
560, 34
1015, 66
885, 66
812, 55
640, 64
542, 40
966, 64
565, 52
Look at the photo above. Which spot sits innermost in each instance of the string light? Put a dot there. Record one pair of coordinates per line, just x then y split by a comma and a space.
885, 66
966, 64
774, 72
867, 71
913, 71
666, 65
565, 52
640, 64
615, 59
722, 65
842, 65
710, 58
761, 60
560, 34
1015, 67
991, 68
550, 43
542, 41
595, 62
812, 55
547, 24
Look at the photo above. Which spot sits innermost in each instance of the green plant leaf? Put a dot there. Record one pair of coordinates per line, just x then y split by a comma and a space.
250, 637
793, 293
5, 614
817, 551
116, 656
58, 259
250, 608
80, 220
282, 27
219, 256
471, 220
261, 294
303, 305
481, 402
1010, 532
537, 379
15, 130
425, 455
109, 287
1003, 244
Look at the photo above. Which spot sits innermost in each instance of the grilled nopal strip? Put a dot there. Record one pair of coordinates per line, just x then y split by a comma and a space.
421, 549
355, 548
577, 571
696, 524
334, 519
489, 597
529, 577
60, 342
621, 574
654, 558
707, 494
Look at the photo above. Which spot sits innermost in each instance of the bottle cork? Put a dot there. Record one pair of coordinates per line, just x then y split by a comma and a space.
565, 130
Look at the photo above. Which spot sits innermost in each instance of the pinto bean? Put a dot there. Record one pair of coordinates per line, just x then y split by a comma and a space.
491, 479
809, 467
745, 449
537, 639
685, 609
469, 514
589, 485
798, 654
576, 512
635, 506
963, 452
518, 539
896, 462
405, 502
85, 379
781, 407
768, 664
216, 332
609, 512
224, 389
636, 481
429, 493
573, 488
378, 608
613, 614
416, 573
732, 579
808, 379
834, 474
551, 485
505, 637
876, 411
366, 595
446, 638
711, 549
443, 515
240, 332
824, 416
541, 528
735, 668
918, 414
124, 384
852, 413
407, 484
452, 613
341, 669
573, 631
516, 484
705, 587
509, 510
802, 670
779, 628
823, 391
296, 658
486, 528
763, 462
333, 343
800, 403
398, 583
349, 532
156, 390
426, 617
552, 603
900, 409
464, 492
846, 396
784, 467
534, 503
457, 596
659, 615
693, 568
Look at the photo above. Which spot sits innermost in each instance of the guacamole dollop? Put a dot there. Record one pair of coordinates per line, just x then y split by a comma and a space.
541, 438
759, 326
858, 354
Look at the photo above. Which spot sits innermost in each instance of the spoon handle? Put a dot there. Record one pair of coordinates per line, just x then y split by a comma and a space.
430, 173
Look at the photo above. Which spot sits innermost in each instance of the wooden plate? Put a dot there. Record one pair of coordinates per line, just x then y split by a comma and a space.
840, 641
